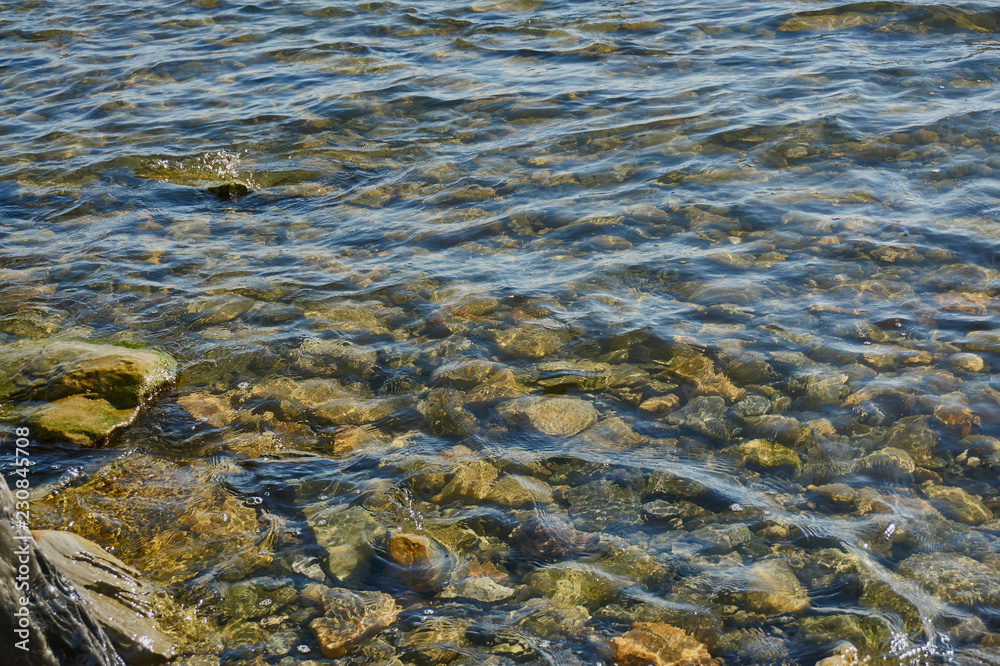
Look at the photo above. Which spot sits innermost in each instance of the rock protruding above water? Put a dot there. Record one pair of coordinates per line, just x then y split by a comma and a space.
660, 644
61, 629
114, 593
350, 618
81, 391
556, 417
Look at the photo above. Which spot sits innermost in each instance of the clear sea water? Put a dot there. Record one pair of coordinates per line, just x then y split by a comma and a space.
803, 193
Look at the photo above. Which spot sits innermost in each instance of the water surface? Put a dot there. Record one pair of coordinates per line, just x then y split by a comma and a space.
777, 221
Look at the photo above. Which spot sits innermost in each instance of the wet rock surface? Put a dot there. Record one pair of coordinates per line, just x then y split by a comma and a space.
660, 644
80, 392
124, 605
59, 627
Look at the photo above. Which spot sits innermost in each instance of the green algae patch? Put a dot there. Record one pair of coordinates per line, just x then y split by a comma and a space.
81, 420
77, 390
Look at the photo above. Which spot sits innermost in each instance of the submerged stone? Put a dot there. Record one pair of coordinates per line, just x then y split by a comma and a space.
957, 504
703, 414
556, 417
770, 456
770, 588
351, 617
575, 584
471, 483
914, 435
660, 644
958, 579
480, 588
755, 647
699, 373
602, 505
533, 342
170, 520
548, 538
887, 463
444, 414
345, 532
868, 633
516, 491
423, 563
502, 386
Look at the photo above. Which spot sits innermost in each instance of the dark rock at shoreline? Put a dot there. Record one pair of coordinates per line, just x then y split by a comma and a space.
61, 629
114, 592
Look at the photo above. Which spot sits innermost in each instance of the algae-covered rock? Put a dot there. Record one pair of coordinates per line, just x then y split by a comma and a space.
660, 644
351, 617
49, 370
80, 420
80, 391
557, 417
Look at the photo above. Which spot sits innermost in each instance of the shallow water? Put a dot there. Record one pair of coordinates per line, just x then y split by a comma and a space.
782, 214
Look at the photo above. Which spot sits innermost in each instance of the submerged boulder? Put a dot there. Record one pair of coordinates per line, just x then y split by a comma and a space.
350, 618
556, 417
660, 644
80, 391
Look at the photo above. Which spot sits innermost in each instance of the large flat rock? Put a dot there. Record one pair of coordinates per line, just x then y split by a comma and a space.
79, 391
